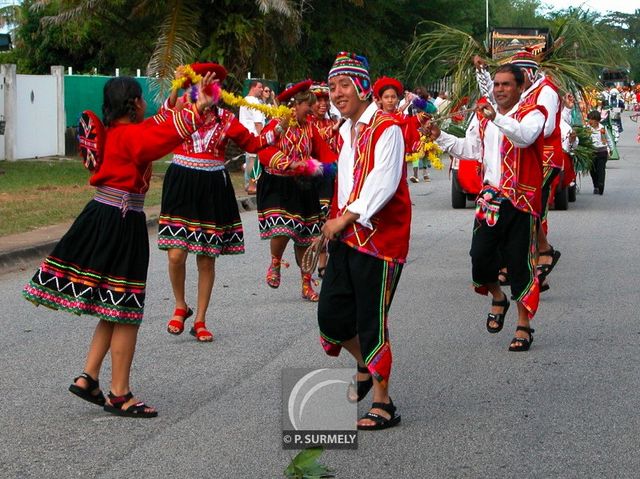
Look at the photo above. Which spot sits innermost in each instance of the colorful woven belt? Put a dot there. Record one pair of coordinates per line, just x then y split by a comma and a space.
274, 172
203, 164
123, 200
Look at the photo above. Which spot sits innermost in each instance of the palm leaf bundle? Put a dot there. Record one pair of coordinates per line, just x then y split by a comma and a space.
584, 153
446, 50
580, 51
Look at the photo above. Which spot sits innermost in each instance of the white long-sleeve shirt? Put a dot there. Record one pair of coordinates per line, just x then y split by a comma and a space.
383, 179
522, 134
548, 98
565, 132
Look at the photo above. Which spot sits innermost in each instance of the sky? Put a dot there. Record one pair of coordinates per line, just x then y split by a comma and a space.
602, 6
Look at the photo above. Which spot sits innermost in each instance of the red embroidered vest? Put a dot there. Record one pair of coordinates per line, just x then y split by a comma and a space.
389, 238
521, 179
553, 153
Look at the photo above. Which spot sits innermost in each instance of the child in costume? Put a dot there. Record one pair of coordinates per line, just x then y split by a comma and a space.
199, 212
288, 200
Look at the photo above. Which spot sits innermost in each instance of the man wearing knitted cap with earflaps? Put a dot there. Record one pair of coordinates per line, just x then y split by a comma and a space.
538, 90
368, 231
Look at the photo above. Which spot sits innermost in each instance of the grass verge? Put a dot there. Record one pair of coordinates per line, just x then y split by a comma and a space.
36, 193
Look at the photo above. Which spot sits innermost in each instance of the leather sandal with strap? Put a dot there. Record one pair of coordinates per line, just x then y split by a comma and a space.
273, 273
545, 269
138, 409
178, 324
359, 389
89, 393
498, 318
381, 422
200, 331
307, 290
522, 344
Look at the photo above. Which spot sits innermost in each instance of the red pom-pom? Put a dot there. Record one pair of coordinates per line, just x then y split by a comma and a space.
213, 90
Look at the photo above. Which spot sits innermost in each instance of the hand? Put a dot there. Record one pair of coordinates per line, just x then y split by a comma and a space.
205, 97
431, 130
569, 100
479, 63
333, 227
486, 110
180, 102
572, 136
282, 126
294, 165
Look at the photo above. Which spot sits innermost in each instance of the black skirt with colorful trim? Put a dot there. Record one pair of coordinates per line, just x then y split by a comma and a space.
99, 267
288, 206
199, 213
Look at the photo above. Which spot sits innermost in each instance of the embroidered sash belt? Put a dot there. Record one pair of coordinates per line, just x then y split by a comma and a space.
203, 164
123, 200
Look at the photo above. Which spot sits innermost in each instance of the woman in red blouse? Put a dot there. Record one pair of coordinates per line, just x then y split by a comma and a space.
99, 267
288, 200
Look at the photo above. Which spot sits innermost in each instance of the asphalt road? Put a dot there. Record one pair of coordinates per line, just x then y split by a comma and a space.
470, 408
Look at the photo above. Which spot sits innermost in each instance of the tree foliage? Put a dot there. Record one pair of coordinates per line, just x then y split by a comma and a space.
286, 40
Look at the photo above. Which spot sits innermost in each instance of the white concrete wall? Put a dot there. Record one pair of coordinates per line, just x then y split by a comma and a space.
37, 116
33, 108
2, 117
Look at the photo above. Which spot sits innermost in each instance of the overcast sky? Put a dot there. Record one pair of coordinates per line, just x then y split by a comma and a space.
602, 6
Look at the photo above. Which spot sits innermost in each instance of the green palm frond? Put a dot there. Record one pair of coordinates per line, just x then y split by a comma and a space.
284, 7
580, 52
584, 153
447, 51
9, 15
82, 9
176, 45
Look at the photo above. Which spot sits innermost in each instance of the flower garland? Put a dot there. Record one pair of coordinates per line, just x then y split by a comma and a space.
279, 112
428, 149
187, 77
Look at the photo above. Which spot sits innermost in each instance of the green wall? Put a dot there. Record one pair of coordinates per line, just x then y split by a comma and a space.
85, 93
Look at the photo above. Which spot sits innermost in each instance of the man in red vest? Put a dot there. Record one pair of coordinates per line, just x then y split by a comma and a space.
368, 231
540, 90
509, 143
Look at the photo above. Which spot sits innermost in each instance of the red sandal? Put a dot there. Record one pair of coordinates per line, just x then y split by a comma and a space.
273, 273
200, 331
307, 290
178, 324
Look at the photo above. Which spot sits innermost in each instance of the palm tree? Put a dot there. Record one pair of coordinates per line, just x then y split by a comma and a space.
579, 52
178, 37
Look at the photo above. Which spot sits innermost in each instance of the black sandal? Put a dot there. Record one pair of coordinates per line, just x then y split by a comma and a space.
321, 270
135, 410
498, 318
381, 422
87, 393
361, 388
522, 344
545, 269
